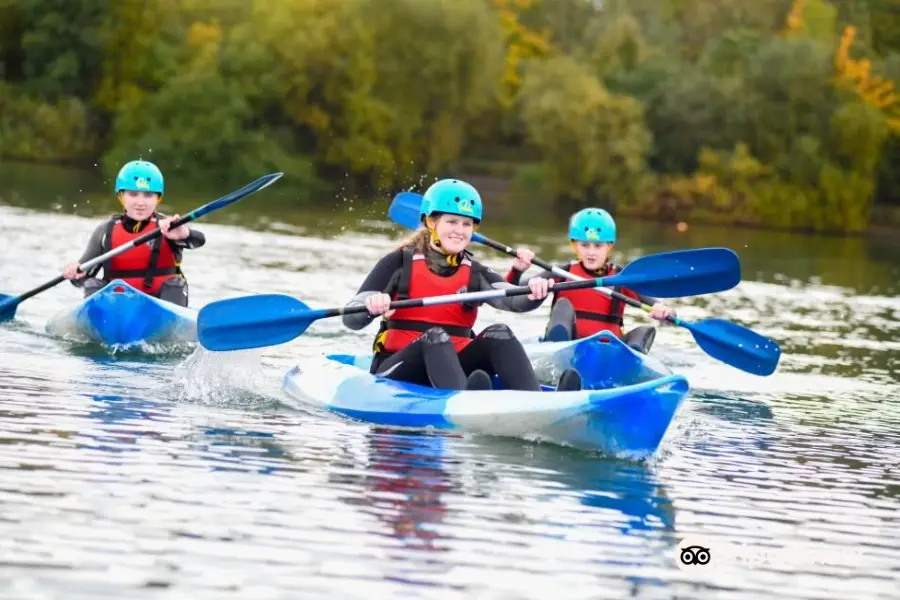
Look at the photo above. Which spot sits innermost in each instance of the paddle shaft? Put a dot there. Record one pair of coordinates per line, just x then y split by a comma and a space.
561, 272
451, 298
255, 186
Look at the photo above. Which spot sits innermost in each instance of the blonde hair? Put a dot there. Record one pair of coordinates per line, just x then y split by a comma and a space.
419, 240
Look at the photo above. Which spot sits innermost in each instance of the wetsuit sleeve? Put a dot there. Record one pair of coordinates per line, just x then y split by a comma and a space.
93, 250
196, 239
514, 276
95, 244
488, 279
549, 275
381, 279
544, 274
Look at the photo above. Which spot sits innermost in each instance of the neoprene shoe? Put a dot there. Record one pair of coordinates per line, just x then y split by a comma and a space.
569, 381
479, 380
557, 333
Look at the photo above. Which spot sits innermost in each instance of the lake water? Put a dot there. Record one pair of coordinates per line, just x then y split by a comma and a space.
188, 475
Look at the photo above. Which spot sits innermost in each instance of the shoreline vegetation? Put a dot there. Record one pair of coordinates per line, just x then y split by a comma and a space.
780, 114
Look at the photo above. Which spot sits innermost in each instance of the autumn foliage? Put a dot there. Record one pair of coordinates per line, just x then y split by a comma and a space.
778, 113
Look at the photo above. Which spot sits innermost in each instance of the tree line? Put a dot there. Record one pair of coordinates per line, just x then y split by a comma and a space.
777, 113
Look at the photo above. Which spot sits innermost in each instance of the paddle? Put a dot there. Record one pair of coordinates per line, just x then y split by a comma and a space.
8, 304
271, 319
728, 342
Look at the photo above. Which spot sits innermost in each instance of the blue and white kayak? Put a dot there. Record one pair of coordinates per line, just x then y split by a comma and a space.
603, 360
628, 421
120, 315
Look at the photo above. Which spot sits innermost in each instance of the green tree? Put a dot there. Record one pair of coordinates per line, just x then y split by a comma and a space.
693, 110
789, 94
592, 140
369, 98
61, 45
200, 126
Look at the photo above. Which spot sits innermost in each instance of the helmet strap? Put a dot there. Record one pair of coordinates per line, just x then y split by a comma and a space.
452, 259
429, 224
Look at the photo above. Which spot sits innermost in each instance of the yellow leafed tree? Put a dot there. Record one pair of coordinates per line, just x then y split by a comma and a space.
521, 42
857, 76
816, 18
795, 22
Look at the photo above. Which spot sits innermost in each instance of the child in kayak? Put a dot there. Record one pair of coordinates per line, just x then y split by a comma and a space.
153, 268
435, 345
580, 313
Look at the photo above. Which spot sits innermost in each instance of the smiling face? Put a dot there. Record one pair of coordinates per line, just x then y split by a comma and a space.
139, 205
593, 254
454, 232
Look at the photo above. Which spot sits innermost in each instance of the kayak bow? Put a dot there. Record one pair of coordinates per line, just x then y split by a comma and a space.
120, 315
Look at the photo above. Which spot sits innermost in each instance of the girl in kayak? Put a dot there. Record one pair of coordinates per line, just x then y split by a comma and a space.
153, 268
581, 313
435, 345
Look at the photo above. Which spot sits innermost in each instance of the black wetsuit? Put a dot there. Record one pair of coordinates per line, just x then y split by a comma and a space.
432, 359
173, 290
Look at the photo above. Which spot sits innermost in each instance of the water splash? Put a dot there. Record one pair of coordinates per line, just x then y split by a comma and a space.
234, 379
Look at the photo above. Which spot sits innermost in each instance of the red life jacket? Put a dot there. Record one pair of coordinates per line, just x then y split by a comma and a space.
143, 267
594, 311
418, 281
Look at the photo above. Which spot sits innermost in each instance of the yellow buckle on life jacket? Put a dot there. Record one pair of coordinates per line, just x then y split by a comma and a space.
378, 345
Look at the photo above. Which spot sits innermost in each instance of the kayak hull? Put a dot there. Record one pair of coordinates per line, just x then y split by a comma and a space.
629, 421
603, 360
121, 315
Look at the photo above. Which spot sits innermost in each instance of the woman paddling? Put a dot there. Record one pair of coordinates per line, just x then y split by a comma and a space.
153, 268
435, 345
582, 313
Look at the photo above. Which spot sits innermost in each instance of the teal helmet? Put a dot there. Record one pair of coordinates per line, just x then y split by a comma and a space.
140, 176
451, 196
592, 225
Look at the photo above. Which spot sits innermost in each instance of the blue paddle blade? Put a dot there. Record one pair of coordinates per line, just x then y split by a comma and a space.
8, 306
735, 345
251, 188
681, 273
404, 210
252, 322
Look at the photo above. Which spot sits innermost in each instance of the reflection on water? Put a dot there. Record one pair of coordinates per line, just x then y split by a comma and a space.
405, 482
409, 475
122, 422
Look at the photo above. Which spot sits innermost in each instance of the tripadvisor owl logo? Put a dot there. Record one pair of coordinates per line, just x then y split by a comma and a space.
693, 554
